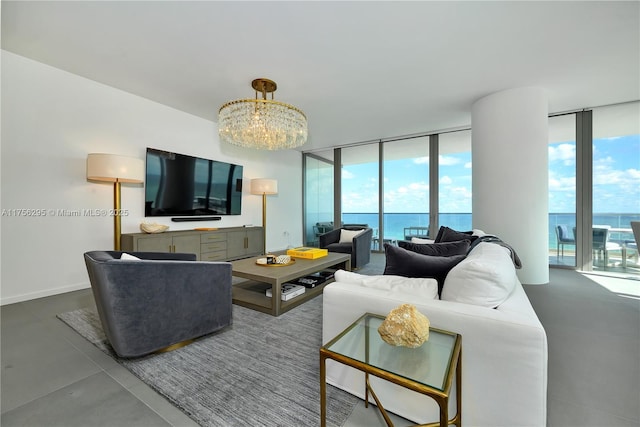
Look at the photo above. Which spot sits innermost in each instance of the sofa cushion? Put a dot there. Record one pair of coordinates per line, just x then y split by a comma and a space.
401, 262
128, 257
460, 247
446, 234
346, 236
485, 278
422, 288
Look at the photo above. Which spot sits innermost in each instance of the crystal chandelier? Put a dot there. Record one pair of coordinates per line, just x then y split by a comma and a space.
263, 124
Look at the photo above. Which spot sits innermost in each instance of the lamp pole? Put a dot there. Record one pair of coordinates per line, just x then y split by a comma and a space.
117, 220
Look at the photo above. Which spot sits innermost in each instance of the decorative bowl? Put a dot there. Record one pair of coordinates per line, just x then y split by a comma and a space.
152, 227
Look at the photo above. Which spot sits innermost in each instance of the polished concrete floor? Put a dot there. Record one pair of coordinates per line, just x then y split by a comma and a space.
51, 376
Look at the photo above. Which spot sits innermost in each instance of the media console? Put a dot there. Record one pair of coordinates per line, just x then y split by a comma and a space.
223, 244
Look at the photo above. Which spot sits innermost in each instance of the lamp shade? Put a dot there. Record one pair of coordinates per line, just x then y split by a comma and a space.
114, 168
264, 186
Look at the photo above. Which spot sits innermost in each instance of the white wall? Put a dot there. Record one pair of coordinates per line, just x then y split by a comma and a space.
51, 120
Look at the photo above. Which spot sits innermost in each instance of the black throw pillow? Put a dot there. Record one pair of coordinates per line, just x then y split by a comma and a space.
401, 262
461, 247
446, 234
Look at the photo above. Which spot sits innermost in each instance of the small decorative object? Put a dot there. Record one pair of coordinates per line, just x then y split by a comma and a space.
282, 259
153, 227
275, 261
405, 326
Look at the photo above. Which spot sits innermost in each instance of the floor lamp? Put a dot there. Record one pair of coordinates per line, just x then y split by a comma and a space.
116, 169
264, 187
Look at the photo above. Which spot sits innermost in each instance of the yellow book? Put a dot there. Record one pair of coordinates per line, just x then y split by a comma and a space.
307, 253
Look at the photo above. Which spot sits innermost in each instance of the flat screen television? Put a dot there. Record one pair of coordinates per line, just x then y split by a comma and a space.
182, 185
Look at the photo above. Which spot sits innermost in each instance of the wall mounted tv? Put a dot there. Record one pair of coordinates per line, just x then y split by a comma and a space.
181, 185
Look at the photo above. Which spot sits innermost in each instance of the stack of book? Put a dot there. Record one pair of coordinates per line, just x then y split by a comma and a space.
313, 280
289, 291
307, 253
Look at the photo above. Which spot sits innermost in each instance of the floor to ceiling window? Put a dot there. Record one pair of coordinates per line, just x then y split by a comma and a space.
454, 180
406, 190
594, 185
360, 185
318, 195
616, 187
562, 190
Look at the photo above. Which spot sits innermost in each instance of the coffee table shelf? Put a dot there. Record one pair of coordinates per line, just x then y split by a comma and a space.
251, 293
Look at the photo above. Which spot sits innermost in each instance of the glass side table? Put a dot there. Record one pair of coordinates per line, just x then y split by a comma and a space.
428, 369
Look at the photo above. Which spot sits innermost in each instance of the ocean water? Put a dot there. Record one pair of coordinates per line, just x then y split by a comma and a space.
395, 223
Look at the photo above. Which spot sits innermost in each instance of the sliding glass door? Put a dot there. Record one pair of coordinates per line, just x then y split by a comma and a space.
318, 195
360, 185
616, 187
406, 190
562, 190
454, 180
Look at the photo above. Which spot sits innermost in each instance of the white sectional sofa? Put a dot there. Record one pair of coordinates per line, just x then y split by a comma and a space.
504, 347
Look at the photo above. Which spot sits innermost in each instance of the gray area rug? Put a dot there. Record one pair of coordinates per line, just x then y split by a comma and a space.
260, 371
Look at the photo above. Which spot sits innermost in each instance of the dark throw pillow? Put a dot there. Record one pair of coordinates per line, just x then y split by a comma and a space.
461, 247
446, 234
401, 262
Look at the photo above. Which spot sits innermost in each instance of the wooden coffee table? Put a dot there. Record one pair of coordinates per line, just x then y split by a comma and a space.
251, 293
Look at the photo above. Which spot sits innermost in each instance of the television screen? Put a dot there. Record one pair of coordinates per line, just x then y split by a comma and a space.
181, 185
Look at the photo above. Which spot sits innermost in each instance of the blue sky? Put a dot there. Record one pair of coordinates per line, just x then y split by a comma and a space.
616, 181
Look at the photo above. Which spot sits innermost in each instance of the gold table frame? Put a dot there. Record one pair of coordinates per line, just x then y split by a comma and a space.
441, 396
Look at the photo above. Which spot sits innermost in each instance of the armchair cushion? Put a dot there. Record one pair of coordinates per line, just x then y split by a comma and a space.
343, 248
346, 236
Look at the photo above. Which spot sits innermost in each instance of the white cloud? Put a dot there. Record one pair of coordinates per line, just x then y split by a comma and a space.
421, 160
347, 175
467, 165
563, 152
566, 183
448, 160
445, 180
419, 186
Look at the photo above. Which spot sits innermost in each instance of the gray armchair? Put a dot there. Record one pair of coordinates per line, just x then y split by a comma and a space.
160, 300
359, 247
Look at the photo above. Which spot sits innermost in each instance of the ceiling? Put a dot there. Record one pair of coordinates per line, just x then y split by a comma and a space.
361, 71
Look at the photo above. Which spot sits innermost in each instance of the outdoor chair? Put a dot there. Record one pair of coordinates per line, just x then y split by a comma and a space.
635, 227
157, 300
602, 246
563, 238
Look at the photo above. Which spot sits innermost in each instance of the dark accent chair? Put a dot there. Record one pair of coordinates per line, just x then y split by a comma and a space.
359, 247
162, 299
563, 238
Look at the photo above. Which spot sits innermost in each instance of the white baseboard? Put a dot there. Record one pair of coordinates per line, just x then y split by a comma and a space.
42, 294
